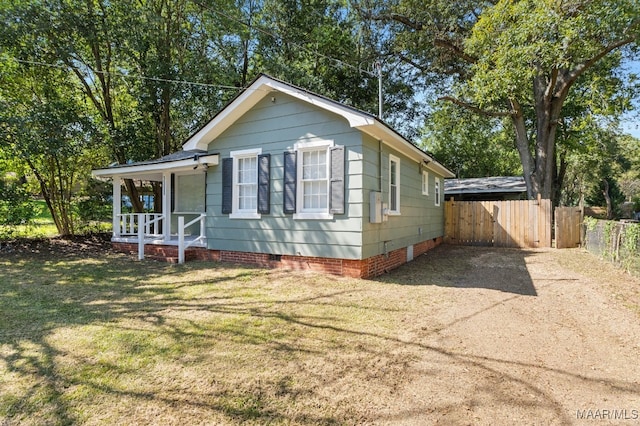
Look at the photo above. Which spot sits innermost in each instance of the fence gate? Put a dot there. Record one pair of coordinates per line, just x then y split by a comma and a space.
520, 223
568, 233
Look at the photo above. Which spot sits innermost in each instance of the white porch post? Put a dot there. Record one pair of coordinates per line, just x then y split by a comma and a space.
117, 203
180, 239
141, 227
166, 205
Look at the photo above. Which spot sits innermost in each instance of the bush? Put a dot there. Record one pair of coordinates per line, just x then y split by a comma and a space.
16, 205
95, 203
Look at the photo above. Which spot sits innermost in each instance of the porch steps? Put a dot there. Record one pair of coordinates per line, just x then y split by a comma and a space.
167, 259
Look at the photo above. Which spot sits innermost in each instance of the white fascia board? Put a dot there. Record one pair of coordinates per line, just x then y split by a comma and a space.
141, 171
395, 141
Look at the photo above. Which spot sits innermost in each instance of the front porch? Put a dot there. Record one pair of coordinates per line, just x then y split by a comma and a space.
144, 229
181, 221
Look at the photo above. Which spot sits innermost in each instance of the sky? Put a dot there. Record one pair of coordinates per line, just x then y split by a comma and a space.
631, 122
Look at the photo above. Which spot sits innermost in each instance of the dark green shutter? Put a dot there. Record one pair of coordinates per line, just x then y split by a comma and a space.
264, 183
173, 192
337, 180
227, 185
289, 182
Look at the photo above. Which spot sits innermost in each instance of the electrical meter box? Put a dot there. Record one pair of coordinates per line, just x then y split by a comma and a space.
377, 209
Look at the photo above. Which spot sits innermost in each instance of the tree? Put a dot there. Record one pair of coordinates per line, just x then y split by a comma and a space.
521, 60
46, 126
469, 145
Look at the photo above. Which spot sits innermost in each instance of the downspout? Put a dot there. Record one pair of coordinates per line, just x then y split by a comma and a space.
380, 166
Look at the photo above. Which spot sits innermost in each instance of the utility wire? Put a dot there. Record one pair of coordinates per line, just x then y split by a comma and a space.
218, 86
131, 76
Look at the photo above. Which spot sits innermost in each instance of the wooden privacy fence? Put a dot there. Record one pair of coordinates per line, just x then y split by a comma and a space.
568, 230
520, 223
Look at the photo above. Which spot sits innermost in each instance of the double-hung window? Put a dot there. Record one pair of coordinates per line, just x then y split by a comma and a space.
244, 184
394, 185
313, 188
436, 191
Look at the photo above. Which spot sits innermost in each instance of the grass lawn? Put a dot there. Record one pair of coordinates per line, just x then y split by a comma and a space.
107, 340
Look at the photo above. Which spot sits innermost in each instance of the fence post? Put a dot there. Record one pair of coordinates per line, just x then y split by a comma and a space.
180, 239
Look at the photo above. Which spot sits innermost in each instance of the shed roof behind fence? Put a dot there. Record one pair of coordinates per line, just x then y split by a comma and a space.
485, 185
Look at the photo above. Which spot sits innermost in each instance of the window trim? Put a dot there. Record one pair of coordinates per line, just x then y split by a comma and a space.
393, 158
425, 182
300, 148
235, 196
436, 191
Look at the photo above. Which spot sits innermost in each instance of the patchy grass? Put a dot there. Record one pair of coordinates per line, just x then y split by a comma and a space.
109, 340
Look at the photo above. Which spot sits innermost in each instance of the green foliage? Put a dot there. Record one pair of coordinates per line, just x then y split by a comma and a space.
94, 203
469, 145
549, 67
16, 205
590, 223
619, 242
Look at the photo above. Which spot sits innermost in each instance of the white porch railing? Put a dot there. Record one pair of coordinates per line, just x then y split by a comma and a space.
149, 223
143, 225
182, 245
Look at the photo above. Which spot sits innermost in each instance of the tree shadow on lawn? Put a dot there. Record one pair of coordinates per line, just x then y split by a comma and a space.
491, 268
144, 303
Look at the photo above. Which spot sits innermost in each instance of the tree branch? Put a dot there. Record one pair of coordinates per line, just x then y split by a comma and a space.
580, 69
396, 17
476, 109
413, 63
457, 51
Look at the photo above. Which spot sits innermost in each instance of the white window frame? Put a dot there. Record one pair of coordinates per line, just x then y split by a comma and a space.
300, 148
436, 191
425, 182
236, 213
393, 158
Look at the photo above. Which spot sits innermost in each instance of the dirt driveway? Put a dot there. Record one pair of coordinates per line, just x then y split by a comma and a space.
522, 337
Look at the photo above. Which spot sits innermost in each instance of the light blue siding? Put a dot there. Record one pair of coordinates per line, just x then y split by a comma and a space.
419, 220
276, 127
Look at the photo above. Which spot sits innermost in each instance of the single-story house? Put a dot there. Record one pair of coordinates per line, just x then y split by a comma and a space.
283, 177
497, 188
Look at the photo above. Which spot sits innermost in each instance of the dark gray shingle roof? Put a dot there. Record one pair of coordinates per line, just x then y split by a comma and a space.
485, 185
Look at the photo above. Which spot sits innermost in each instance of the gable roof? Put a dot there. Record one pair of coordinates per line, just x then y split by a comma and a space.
264, 85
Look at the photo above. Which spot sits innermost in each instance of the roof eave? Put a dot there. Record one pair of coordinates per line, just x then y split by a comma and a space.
140, 171
390, 137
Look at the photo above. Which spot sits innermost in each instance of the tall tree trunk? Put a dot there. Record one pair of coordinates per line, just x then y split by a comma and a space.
522, 143
607, 197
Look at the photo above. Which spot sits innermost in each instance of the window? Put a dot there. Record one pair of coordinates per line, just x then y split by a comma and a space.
394, 185
425, 182
313, 180
436, 191
189, 193
244, 188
